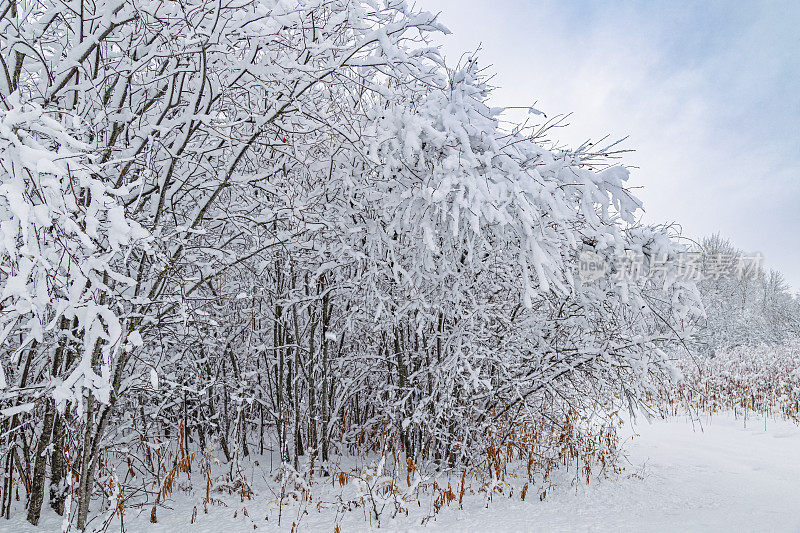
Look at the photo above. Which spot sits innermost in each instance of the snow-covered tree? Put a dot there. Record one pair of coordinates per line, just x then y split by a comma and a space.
745, 305
291, 226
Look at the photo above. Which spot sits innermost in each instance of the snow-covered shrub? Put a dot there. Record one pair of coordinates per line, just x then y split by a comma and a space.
63, 236
287, 227
759, 380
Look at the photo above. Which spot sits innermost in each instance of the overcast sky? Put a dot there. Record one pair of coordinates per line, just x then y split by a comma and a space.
708, 93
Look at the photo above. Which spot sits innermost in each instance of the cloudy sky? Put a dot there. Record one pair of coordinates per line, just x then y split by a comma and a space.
708, 93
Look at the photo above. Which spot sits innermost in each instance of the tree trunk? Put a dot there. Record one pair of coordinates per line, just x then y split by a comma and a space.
85, 483
326, 309
40, 466
58, 493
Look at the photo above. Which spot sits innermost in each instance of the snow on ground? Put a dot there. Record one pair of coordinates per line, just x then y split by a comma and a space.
715, 475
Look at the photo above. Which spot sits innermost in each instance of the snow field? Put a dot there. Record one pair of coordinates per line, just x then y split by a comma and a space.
711, 474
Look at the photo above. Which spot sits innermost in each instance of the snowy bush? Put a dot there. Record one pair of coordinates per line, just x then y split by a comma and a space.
287, 229
761, 381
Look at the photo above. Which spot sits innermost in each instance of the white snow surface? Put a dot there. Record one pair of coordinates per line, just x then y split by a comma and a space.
715, 474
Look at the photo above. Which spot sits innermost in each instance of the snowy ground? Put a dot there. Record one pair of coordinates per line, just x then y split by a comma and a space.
723, 477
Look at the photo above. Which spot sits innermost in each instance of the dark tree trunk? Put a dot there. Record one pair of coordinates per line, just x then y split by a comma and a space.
40, 466
58, 492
